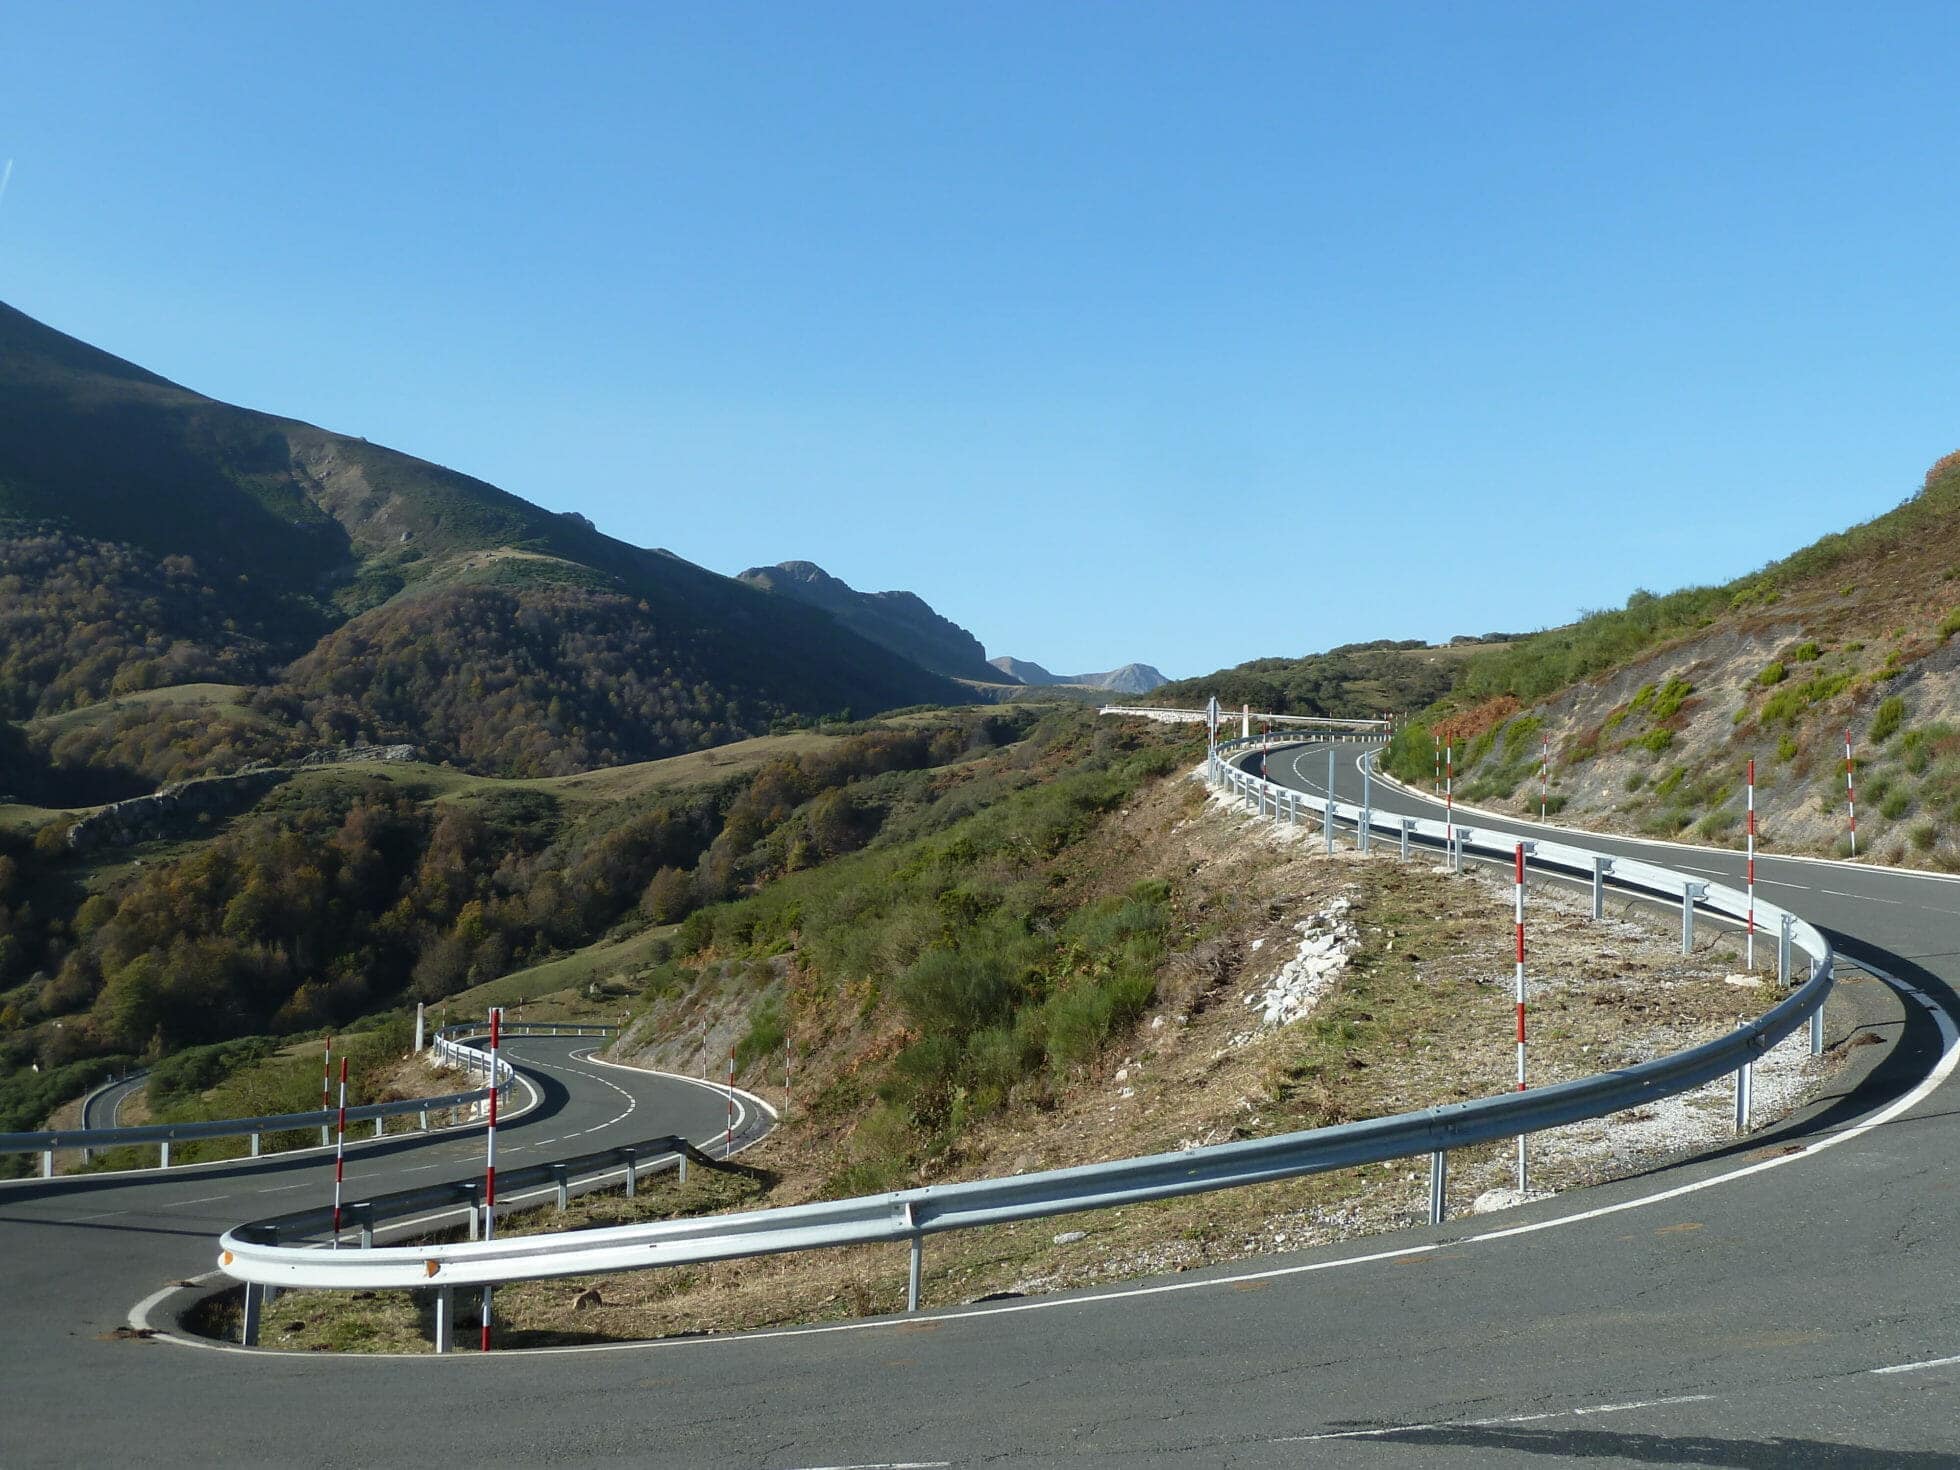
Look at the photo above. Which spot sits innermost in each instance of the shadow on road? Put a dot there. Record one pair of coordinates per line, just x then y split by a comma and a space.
1778, 1453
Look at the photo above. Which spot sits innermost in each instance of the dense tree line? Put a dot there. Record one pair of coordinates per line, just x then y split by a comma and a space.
333, 901
542, 682
1358, 681
81, 620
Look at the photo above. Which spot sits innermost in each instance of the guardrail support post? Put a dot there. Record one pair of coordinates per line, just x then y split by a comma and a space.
1744, 1086
472, 1192
378, 1128
424, 1117
1689, 893
1363, 838
1439, 1174
912, 1274
367, 1227
248, 1324
1783, 950
1406, 826
632, 1173
47, 1163
258, 1144
1328, 824
1601, 867
683, 1173
445, 1319
163, 1154
1817, 1032
562, 1177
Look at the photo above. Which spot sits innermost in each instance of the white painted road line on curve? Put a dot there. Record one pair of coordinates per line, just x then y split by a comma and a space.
1689, 1398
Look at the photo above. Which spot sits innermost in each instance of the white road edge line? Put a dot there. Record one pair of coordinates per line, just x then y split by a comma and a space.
1918, 1367
1689, 1398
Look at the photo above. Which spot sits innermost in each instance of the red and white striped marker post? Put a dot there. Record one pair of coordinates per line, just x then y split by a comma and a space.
339, 1152
1544, 773
326, 1086
728, 1138
1518, 915
1749, 951
490, 1161
1850, 795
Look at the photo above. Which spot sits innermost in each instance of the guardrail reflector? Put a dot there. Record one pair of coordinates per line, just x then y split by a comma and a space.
429, 1268
225, 1258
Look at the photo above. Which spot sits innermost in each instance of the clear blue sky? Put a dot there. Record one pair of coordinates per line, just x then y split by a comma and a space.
1185, 333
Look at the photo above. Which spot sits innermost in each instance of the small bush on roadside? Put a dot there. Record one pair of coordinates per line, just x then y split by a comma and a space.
1891, 714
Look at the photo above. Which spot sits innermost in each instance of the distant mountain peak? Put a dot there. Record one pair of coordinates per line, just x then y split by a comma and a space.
903, 622
1129, 679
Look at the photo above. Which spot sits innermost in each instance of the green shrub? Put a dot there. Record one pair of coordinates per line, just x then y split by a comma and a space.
1518, 733
1895, 805
1891, 714
1773, 673
1792, 700
1664, 787
1949, 625
1669, 698
1656, 740
1806, 653
1924, 835
766, 1034
1786, 748
1715, 824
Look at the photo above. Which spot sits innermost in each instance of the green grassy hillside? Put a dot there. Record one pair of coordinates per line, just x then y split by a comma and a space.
1654, 710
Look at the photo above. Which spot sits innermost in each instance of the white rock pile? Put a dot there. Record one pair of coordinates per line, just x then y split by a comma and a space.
1327, 942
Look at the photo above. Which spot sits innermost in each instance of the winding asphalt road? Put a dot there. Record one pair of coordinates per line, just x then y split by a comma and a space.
1788, 1302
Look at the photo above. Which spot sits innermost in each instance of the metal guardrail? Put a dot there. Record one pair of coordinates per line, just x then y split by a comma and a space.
911, 1215
447, 1045
516, 1190
1171, 715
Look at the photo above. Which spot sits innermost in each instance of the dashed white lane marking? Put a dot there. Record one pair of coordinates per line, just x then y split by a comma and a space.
184, 1204
886, 1465
1918, 1367
631, 1101
1689, 1398
105, 1215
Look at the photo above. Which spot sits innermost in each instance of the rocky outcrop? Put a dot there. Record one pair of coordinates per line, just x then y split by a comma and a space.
171, 809
345, 753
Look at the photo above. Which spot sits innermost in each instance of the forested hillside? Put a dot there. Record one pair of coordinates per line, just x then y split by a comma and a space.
356, 889
152, 538
1353, 682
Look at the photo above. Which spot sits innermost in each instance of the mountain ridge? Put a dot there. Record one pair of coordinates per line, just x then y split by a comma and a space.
901, 621
246, 539
1131, 678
